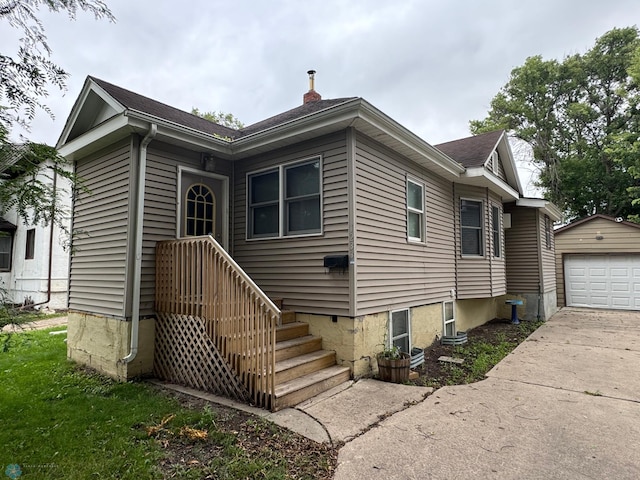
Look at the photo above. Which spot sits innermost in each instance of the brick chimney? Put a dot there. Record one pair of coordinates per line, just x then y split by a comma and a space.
311, 95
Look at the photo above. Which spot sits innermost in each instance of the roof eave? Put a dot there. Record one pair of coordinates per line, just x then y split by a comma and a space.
361, 115
480, 177
544, 205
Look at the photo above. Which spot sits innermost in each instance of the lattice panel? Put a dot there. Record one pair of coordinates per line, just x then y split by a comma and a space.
186, 355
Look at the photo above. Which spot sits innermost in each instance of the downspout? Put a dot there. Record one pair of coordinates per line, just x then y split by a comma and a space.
137, 239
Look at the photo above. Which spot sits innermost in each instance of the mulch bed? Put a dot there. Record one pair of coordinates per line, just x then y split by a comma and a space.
438, 374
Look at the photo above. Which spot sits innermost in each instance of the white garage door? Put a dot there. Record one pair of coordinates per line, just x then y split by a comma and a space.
603, 281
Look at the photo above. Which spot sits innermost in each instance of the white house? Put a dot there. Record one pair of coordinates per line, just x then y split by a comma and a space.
34, 261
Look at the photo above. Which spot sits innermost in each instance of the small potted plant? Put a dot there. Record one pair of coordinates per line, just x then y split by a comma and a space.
393, 365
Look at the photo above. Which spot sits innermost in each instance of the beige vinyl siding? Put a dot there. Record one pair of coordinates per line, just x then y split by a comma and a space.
478, 276
97, 276
293, 267
393, 273
522, 247
161, 185
547, 255
618, 238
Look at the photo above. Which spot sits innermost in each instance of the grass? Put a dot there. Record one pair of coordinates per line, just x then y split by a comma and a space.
482, 355
60, 422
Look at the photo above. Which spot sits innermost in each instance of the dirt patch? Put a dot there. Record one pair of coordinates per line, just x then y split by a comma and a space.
493, 341
251, 436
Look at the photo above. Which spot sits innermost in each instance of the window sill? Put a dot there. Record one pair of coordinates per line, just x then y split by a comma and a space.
285, 237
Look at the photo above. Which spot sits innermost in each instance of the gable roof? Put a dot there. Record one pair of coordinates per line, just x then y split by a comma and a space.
134, 101
104, 113
472, 151
584, 220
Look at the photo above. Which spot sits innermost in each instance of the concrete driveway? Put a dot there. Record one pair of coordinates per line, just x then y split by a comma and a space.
564, 405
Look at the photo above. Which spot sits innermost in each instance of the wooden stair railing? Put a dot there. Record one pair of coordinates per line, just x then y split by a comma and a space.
196, 277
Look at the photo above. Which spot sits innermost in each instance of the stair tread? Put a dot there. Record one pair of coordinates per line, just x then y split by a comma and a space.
286, 326
300, 359
309, 379
295, 341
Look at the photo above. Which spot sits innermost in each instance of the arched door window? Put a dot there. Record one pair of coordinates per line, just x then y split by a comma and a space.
200, 211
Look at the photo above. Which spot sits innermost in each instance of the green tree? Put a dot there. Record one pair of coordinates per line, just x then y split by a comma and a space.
575, 115
221, 118
25, 77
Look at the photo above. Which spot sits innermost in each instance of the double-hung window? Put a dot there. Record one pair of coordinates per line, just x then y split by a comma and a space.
285, 201
400, 330
415, 211
471, 227
495, 230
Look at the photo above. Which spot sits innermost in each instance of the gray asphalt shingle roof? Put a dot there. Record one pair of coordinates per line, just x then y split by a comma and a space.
134, 101
472, 151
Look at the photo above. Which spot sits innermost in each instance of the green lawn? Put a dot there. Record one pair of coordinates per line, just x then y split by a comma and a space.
60, 422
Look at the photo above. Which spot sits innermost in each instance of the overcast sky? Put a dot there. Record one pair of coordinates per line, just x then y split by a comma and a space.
431, 66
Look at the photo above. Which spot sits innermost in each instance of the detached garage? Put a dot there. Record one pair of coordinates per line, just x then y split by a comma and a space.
598, 263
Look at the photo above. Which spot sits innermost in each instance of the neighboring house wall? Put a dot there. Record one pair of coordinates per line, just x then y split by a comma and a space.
292, 267
479, 276
99, 262
391, 271
27, 281
617, 238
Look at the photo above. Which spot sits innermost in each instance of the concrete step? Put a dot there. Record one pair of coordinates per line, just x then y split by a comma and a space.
291, 330
303, 365
297, 346
302, 388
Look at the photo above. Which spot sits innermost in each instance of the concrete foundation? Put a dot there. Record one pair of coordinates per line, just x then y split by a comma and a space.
101, 342
532, 307
356, 341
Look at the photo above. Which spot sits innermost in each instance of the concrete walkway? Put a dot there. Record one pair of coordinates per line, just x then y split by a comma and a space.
37, 325
564, 405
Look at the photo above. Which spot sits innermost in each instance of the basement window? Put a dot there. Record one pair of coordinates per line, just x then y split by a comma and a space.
400, 330
448, 320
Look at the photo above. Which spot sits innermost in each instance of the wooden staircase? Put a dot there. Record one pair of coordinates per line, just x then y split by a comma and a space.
303, 368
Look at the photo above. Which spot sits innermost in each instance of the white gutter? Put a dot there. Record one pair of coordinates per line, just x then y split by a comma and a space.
137, 239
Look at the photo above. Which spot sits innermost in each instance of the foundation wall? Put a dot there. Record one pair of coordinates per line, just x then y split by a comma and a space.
356, 341
475, 312
532, 307
101, 342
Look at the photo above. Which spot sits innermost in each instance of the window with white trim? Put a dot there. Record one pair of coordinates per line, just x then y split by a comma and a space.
495, 230
448, 320
415, 211
285, 201
471, 227
400, 330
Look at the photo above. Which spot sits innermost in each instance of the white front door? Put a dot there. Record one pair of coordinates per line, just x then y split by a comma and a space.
203, 205
603, 281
